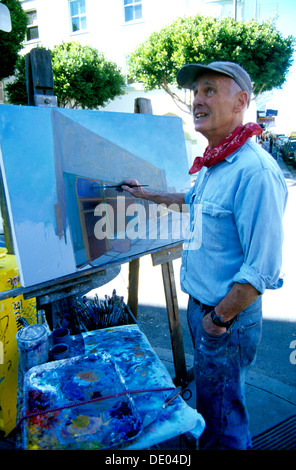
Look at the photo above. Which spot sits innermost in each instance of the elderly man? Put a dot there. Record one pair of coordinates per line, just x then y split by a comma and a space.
242, 195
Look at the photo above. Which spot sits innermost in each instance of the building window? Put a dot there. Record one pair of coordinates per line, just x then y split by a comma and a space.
132, 10
77, 15
32, 29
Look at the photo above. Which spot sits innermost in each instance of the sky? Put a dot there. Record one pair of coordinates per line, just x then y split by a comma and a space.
284, 100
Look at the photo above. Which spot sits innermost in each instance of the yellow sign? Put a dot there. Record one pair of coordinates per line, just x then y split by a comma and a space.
10, 310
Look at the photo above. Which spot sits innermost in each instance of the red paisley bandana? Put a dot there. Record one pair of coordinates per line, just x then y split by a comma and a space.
231, 143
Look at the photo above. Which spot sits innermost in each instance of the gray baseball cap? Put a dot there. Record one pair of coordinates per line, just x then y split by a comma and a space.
187, 75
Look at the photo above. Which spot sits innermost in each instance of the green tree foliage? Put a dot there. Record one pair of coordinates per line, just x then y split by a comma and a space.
83, 78
11, 43
259, 48
16, 91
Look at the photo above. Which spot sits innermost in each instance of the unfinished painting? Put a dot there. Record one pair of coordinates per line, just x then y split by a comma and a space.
62, 170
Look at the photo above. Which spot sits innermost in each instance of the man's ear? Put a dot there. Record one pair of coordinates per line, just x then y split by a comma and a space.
241, 101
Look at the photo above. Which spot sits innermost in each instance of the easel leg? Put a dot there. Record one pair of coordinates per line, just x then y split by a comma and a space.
174, 322
133, 283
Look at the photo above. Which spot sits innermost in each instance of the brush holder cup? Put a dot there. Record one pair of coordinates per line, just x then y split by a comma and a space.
61, 335
59, 351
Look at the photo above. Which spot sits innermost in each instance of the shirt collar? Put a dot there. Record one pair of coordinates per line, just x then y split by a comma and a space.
232, 156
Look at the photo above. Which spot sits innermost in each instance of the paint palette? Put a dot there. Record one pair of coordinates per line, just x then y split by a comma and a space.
78, 403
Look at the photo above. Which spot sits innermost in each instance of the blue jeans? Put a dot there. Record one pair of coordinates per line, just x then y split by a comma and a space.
220, 367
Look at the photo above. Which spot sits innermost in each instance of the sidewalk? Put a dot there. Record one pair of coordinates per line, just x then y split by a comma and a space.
268, 401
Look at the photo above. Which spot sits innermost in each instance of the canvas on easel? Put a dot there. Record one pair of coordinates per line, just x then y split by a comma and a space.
57, 165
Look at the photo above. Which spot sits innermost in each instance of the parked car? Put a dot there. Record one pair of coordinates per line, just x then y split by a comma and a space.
283, 141
294, 155
288, 150
292, 152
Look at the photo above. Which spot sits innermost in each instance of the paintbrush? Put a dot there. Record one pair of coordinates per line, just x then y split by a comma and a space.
172, 397
21, 322
153, 415
95, 314
118, 186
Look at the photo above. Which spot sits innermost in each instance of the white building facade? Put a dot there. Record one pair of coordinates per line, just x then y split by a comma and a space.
117, 27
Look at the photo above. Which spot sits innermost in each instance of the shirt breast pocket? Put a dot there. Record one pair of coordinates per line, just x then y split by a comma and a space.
218, 226
214, 210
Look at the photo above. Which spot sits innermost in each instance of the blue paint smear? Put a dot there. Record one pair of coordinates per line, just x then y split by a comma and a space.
134, 366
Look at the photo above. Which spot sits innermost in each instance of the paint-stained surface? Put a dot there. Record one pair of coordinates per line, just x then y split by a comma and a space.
94, 425
46, 156
136, 420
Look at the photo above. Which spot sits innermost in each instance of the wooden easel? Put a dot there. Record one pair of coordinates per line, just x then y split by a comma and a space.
39, 78
165, 259
53, 295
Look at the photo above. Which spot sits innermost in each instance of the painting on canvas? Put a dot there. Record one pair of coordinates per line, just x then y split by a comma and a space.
59, 168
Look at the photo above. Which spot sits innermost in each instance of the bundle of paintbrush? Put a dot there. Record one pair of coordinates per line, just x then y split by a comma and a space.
94, 314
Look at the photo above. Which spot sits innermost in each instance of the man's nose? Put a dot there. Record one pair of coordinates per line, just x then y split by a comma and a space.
197, 100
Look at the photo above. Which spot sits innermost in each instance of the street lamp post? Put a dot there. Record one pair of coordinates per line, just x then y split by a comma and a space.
235, 9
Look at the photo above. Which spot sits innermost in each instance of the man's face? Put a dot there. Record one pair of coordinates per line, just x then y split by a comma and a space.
214, 106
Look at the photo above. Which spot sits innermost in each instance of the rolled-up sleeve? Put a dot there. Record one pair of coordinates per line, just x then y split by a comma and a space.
259, 208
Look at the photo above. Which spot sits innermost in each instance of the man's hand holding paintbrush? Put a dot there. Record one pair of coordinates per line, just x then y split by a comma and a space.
136, 189
173, 200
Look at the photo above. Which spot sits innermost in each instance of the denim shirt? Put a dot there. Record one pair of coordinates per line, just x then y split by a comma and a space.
236, 212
